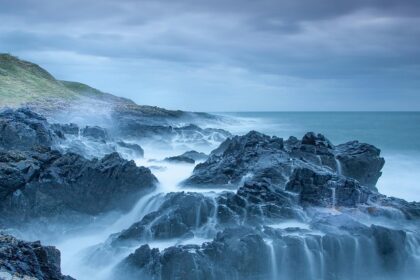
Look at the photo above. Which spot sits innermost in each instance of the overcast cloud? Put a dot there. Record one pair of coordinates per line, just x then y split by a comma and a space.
238, 55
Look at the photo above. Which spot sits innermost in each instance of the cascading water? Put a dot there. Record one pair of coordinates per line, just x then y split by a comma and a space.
273, 259
338, 166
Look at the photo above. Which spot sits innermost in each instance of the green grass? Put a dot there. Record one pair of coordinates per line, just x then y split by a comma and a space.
24, 83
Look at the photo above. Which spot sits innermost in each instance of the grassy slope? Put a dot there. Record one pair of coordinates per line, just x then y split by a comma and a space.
24, 83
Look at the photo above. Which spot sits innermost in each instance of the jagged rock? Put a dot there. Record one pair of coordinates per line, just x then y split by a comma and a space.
197, 156
136, 150
361, 162
255, 154
182, 213
189, 133
256, 202
347, 249
71, 129
180, 159
234, 253
259, 156
24, 129
177, 216
20, 259
95, 132
44, 183
326, 189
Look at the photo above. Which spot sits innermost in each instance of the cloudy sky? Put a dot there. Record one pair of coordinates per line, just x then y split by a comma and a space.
227, 55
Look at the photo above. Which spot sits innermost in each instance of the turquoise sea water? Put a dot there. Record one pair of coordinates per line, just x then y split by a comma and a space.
397, 134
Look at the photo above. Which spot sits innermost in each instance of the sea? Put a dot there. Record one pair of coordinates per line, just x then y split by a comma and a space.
397, 134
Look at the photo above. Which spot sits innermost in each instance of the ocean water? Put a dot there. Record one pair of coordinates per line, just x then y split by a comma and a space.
397, 134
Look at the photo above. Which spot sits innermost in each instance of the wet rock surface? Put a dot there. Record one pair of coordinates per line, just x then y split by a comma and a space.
44, 182
37, 181
23, 129
28, 260
265, 207
262, 156
274, 182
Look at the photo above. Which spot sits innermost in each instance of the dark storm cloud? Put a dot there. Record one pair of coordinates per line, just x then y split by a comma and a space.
229, 47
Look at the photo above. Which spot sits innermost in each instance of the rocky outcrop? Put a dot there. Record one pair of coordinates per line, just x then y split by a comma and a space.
28, 260
180, 159
197, 156
270, 253
178, 215
95, 132
45, 183
360, 161
259, 156
168, 134
187, 157
23, 129
326, 190
133, 148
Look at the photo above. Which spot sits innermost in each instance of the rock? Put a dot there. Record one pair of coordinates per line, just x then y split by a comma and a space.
24, 129
135, 149
168, 134
254, 154
95, 132
258, 156
347, 249
313, 139
46, 183
325, 189
197, 156
70, 129
361, 162
179, 214
180, 159
28, 260
234, 253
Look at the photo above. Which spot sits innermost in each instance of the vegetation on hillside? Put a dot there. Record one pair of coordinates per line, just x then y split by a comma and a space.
23, 83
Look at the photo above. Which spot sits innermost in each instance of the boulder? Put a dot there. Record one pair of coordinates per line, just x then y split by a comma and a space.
95, 132
28, 260
23, 129
326, 189
46, 183
178, 215
258, 156
360, 161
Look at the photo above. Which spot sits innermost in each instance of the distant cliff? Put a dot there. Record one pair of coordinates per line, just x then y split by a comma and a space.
23, 83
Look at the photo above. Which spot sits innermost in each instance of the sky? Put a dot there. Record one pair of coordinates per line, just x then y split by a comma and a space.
227, 55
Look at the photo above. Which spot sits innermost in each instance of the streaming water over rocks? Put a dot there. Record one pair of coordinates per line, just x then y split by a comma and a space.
258, 207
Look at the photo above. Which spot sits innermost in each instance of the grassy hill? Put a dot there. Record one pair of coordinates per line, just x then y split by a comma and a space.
23, 83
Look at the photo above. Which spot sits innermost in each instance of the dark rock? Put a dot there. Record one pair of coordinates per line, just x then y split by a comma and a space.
71, 129
134, 148
313, 139
22, 259
177, 216
197, 156
24, 129
180, 159
47, 183
167, 134
325, 189
234, 253
361, 162
255, 154
258, 156
95, 132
